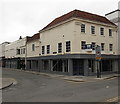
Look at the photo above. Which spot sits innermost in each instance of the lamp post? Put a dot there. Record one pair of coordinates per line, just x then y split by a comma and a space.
98, 59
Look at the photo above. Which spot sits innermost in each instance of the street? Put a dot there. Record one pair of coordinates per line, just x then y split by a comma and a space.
39, 88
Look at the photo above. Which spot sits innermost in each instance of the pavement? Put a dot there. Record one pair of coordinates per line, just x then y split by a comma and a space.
78, 78
6, 82
90, 78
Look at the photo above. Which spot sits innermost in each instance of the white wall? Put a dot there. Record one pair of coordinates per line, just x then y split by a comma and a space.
71, 32
36, 52
97, 38
2, 49
10, 49
57, 35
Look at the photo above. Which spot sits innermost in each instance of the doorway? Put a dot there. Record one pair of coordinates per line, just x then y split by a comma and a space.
78, 67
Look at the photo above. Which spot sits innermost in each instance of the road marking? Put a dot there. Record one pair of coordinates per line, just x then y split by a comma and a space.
74, 82
115, 99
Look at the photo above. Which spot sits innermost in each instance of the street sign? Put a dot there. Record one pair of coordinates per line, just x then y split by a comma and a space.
98, 53
88, 48
98, 58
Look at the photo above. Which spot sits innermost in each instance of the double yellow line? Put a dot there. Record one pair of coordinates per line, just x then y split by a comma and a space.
115, 99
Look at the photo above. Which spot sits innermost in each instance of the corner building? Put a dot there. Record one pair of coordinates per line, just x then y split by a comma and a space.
63, 41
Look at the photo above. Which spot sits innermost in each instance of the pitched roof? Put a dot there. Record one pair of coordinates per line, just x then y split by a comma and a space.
81, 15
34, 37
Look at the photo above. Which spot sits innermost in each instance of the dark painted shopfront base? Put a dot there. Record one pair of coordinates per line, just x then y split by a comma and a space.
83, 65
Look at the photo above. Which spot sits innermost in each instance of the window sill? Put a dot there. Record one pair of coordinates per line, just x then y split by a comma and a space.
102, 35
93, 35
83, 33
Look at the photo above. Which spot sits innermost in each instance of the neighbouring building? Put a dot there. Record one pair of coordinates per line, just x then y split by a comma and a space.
33, 52
2, 53
15, 53
114, 17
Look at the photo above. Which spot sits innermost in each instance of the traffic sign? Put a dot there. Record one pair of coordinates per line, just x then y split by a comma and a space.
98, 52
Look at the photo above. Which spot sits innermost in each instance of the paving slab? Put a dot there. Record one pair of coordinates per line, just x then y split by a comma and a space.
89, 78
7, 82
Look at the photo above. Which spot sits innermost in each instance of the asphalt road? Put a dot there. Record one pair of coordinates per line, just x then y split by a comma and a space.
39, 88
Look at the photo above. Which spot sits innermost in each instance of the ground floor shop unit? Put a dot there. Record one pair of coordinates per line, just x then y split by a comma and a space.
69, 64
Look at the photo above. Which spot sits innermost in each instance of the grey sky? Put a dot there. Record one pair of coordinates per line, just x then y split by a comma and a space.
27, 17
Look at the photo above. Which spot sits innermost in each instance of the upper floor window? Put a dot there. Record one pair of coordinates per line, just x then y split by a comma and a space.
110, 47
59, 47
83, 45
68, 49
43, 49
23, 50
48, 49
92, 29
83, 28
110, 32
102, 46
93, 45
18, 52
101, 31
33, 47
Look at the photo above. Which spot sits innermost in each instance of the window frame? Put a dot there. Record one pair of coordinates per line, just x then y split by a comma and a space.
92, 29
18, 51
110, 32
48, 49
59, 47
102, 46
83, 46
43, 50
93, 45
110, 47
83, 28
33, 47
68, 46
102, 31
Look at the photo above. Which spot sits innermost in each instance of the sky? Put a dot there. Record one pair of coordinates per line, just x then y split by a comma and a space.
27, 17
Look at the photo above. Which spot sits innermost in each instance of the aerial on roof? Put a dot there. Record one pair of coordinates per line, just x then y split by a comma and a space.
81, 15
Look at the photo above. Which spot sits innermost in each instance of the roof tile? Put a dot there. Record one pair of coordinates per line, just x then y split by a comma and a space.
81, 15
